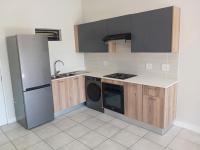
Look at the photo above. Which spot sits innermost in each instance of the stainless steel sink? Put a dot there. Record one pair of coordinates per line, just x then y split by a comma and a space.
63, 75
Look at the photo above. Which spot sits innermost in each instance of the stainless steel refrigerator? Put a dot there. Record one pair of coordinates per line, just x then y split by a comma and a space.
31, 79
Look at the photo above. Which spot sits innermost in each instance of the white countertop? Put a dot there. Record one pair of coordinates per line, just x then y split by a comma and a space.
140, 79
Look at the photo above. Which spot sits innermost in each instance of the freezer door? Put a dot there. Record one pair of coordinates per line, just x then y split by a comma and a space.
38, 106
34, 60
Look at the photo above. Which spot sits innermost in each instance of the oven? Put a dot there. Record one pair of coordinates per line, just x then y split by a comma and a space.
113, 97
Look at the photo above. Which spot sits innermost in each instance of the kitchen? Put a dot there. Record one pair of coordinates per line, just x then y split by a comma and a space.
161, 69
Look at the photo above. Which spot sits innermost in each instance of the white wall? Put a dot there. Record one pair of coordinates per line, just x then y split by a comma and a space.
125, 61
3, 117
95, 10
23, 16
189, 74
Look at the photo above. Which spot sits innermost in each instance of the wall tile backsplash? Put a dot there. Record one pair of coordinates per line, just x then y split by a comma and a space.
125, 61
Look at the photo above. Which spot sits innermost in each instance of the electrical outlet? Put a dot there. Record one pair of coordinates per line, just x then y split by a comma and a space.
165, 67
149, 66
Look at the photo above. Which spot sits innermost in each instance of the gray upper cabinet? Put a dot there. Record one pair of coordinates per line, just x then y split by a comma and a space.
153, 31
90, 37
119, 25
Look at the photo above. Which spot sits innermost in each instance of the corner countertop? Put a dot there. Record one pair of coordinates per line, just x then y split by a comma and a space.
149, 80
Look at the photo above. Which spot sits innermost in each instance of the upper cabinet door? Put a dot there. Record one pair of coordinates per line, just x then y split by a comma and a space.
155, 31
119, 25
90, 37
152, 31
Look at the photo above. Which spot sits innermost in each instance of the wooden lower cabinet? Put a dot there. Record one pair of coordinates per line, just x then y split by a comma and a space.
76, 90
60, 93
170, 105
68, 92
152, 105
159, 106
133, 101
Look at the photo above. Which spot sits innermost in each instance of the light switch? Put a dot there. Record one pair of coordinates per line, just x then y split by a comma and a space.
149, 66
165, 67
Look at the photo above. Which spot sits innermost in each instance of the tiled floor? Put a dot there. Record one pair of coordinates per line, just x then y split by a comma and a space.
86, 129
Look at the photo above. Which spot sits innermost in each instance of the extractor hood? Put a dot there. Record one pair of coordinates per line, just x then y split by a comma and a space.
123, 36
111, 40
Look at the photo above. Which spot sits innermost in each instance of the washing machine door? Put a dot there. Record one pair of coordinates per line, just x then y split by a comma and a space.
94, 92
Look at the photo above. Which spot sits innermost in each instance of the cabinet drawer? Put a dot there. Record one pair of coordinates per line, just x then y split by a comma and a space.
152, 91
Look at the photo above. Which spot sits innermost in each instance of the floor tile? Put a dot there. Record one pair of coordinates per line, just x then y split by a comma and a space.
92, 112
75, 145
80, 110
108, 130
10, 127
17, 132
105, 117
110, 145
47, 131
3, 139
26, 141
62, 132
8, 146
71, 114
92, 139
181, 144
77, 131
93, 123
41, 127
136, 130
119, 123
174, 130
65, 124
146, 145
125, 138
59, 140
190, 135
57, 119
80, 117
163, 140
39, 146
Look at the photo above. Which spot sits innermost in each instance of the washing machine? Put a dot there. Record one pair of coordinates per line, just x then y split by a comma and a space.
94, 93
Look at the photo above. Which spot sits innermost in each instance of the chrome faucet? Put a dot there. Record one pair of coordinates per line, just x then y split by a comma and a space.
55, 70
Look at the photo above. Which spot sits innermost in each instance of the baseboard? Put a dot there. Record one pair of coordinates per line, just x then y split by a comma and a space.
57, 114
136, 122
188, 126
11, 120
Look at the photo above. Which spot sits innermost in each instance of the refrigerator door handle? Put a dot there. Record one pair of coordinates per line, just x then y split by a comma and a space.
37, 87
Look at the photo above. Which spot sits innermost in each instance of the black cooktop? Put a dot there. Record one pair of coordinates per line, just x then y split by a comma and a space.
121, 76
